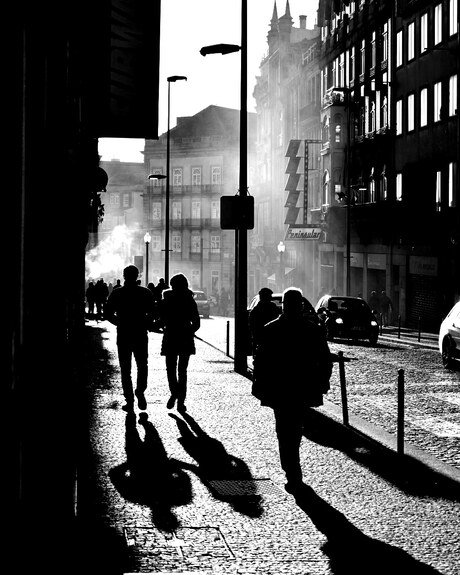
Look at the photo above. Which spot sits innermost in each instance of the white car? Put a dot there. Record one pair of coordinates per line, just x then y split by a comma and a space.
449, 337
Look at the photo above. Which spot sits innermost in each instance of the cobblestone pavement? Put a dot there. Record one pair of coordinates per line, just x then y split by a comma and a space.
204, 493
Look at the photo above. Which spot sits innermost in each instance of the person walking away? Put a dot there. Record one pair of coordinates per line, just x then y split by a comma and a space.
90, 299
224, 301
374, 304
102, 292
262, 313
386, 307
160, 288
131, 309
292, 368
180, 320
117, 285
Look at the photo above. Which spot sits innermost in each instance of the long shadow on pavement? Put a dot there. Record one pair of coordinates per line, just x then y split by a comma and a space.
214, 463
409, 475
149, 477
351, 551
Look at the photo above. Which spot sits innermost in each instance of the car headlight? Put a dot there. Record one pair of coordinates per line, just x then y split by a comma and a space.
338, 320
374, 323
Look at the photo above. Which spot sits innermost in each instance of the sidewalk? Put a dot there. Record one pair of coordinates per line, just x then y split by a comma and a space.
204, 493
410, 336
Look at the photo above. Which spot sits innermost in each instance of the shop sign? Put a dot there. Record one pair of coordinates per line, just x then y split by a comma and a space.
423, 266
305, 233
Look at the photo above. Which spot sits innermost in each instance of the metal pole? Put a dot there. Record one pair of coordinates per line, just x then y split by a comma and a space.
419, 327
241, 240
400, 432
343, 388
167, 191
228, 339
146, 263
399, 326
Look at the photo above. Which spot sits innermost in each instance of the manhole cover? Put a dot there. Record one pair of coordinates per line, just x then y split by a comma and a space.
244, 487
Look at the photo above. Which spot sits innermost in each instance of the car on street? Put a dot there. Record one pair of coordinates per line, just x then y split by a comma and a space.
202, 302
449, 337
347, 317
277, 298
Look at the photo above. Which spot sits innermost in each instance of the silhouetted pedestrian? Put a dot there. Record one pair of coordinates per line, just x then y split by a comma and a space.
131, 309
263, 312
151, 287
386, 307
374, 303
180, 320
101, 292
292, 368
117, 284
224, 300
90, 299
160, 288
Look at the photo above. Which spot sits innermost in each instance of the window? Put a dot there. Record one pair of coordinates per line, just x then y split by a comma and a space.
411, 41
216, 175
452, 184
215, 244
399, 117
437, 101
177, 176
372, 118
195, 279
372, 191
177, 210
156, 210
155, 243
385, 111
424, 33
196, 176
385, 43
438, 24
215, 210
453, 95
423, 107
196, 210
342, 70
383, 185
326, 191
177, 243
398, 187
438, 191
373, 51
352, 64
196, 244
399, 48
410, 112
362, 57
453, 21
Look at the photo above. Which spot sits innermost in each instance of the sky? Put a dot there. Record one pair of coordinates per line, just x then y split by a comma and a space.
187, 26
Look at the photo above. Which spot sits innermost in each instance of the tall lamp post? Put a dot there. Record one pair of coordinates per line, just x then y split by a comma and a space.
281, 249
241, 234
147, 239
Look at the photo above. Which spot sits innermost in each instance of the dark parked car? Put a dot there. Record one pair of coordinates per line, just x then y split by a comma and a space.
449, 337
348, 318
202, 303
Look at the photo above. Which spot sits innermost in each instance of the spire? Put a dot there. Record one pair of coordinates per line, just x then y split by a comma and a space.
274, 20
288, 10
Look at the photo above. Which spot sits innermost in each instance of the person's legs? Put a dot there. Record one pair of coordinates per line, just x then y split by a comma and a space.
289, 433
125, 360
140, 351
171, 371
182, 380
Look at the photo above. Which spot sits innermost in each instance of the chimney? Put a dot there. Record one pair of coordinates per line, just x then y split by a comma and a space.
303, 22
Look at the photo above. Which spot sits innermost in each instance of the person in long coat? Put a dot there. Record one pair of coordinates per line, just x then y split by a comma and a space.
180, 320
292, 367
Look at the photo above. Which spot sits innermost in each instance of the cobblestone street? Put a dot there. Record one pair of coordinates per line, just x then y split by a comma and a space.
204, 493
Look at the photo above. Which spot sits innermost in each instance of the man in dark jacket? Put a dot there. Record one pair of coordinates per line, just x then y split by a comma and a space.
263, 312
131, 309
291, 373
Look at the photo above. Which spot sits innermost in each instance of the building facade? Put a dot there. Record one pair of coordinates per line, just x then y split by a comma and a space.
204, 165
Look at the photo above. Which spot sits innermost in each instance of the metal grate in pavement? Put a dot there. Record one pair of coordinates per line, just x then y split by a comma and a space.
244, 487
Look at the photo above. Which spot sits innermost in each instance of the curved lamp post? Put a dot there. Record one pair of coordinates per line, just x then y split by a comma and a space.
241, 234
147, 240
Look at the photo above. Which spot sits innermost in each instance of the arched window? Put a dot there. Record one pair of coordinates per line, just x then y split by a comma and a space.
338, 128
326, 189
385, 112
372, 118
325, 130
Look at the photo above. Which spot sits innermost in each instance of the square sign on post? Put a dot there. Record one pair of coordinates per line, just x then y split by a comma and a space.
237, 212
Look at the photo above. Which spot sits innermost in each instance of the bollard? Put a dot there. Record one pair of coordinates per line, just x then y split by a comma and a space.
400, 423
381, 324
228, 339
419, 327
399, 326
343, 388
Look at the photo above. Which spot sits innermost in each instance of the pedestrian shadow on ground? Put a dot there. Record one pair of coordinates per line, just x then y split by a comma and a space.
407, 474
351, 551
215, 464
149, 477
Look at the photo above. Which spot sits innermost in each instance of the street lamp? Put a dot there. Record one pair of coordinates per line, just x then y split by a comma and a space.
281, 249
147, 239
241, 234
168, 176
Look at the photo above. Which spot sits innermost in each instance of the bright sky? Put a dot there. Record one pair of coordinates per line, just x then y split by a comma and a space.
187, 26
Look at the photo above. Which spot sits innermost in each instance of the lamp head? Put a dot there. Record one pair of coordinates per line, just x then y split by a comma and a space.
219, 49
176, 78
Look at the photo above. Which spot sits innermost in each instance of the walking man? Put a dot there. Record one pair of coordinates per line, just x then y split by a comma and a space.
131, 308
291, 373
386, 307
263, 312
